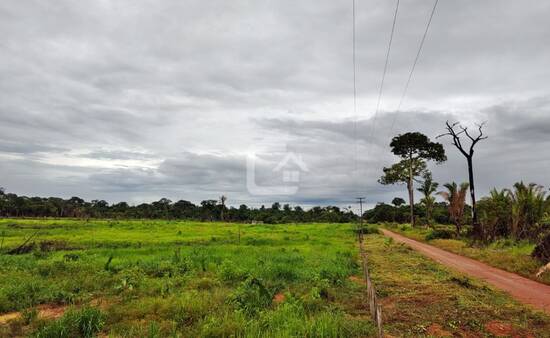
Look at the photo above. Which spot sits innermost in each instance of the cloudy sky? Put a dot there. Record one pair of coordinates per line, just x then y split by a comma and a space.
140, 99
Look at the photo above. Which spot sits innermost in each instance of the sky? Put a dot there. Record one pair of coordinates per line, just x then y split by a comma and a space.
135, 100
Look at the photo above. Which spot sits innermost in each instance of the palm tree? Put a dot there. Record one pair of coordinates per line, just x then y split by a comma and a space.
427, 188
529, 205
456, 197
495, 214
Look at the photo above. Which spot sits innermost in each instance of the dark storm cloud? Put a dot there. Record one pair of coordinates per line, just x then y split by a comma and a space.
140, 99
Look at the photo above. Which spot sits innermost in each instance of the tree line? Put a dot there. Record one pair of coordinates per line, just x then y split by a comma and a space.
12, 205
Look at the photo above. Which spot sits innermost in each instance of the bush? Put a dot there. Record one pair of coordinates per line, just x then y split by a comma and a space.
251, 296
440, 234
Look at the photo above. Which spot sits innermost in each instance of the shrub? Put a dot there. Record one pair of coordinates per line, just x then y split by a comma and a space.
440, 234
251, 296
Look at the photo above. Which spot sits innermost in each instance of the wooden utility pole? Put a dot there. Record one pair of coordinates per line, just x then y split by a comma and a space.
360, 200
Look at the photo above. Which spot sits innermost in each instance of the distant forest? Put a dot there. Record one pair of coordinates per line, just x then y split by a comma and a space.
12, 205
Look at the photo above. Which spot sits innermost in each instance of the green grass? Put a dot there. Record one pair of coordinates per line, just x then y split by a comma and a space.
171, 278
504, 254
191, 279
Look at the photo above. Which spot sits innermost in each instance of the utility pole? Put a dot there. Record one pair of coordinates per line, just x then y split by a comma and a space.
360, 200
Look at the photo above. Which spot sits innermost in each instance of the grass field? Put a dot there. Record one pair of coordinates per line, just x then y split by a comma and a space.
191, 279
503, 254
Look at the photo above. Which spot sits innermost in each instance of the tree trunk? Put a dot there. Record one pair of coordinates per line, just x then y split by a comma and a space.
411, 192
475, 222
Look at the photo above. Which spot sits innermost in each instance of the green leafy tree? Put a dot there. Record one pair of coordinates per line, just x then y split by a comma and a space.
414, 149
398, 201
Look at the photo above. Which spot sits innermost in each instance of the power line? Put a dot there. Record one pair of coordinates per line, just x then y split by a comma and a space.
387, 59
414, 63
386, 63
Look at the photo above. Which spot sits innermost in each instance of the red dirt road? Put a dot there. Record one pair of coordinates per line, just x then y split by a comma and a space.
522, 289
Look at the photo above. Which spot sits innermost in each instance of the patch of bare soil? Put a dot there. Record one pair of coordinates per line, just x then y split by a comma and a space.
8, 317
51, 311
499, 329
435, 330
47, 311
279, 298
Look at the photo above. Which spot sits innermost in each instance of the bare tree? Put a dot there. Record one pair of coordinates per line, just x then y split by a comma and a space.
455, 131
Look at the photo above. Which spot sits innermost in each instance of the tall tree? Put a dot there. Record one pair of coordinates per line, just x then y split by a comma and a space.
456, 197
455, 131
414, 149
427, 188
